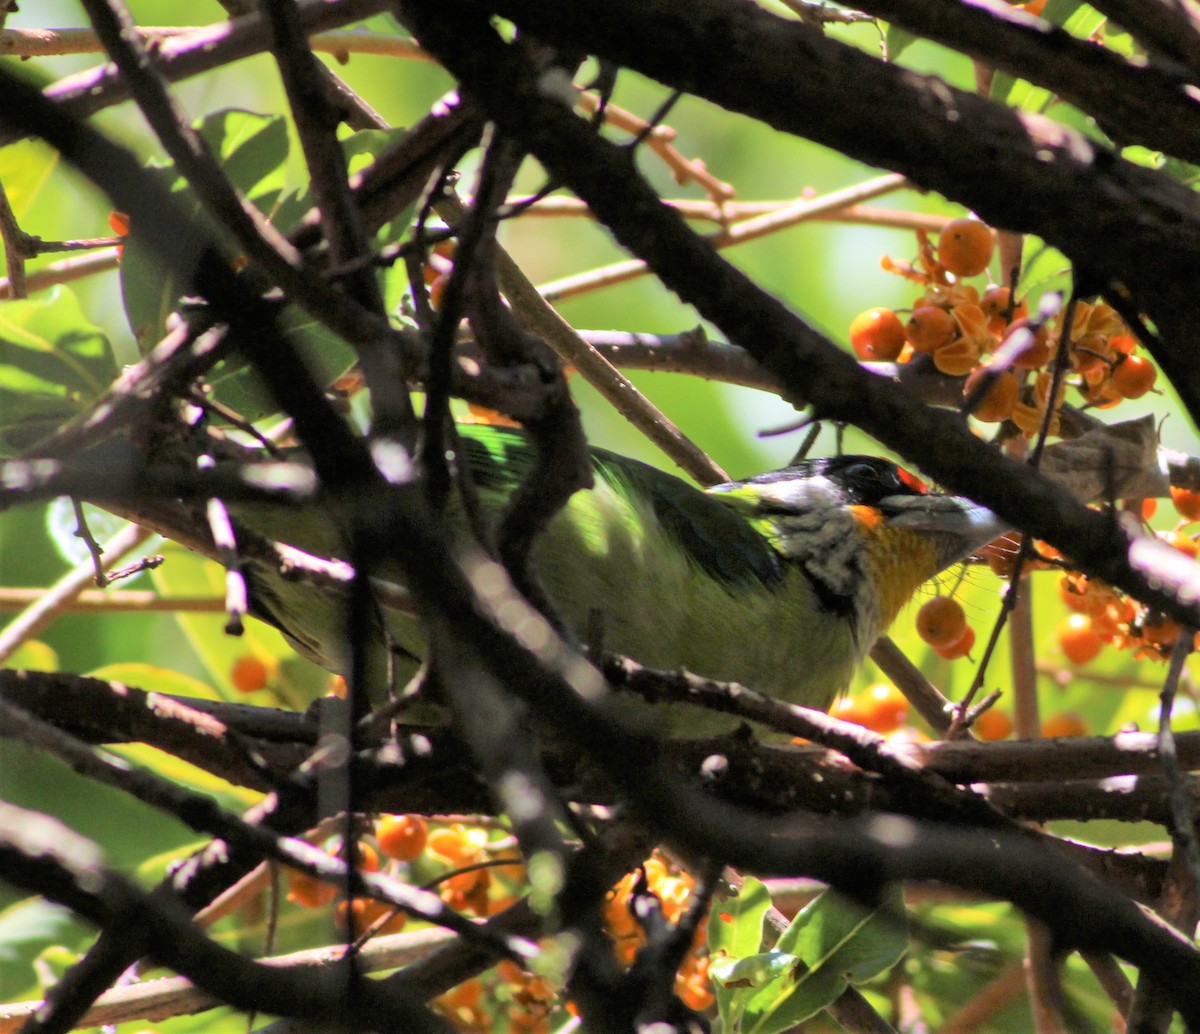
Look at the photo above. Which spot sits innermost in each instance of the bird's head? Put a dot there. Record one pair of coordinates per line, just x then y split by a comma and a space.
867, 532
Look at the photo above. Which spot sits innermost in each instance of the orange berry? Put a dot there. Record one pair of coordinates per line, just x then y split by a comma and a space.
118, 222
1133, 376
999, 399
1107, 623
877, 335
965, 247
695, 994
309, 892
929, 328
366, 859
961, 647
1073, 591
1039, 351
1150, 506
993, 725
1078, 639
1180, 541
469, 881
402, 837
435, 266
337, 687
468, 892
365, 912
1186, 502
249, 673
883, 707
1065, 724
847, 709
941, 621
1001, 555
996, 300
465, 995
1162, 631
452, 844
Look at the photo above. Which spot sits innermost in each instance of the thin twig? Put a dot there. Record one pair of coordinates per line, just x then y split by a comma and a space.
95, 550
983, 1006
132, 601
536, 313
27, 43
54, 601
63, 272
15, 251
732, 212
1181, 808
772, 222
658, 139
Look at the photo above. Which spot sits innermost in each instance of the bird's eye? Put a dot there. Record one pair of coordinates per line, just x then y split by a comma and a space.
860, 472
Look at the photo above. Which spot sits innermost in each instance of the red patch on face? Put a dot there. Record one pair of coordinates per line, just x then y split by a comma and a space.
912, 481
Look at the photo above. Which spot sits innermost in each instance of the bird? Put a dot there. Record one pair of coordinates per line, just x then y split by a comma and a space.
782, 582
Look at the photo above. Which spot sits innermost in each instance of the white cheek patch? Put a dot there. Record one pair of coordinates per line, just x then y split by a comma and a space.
828, 541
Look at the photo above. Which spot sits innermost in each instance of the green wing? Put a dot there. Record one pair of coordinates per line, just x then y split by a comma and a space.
710, 531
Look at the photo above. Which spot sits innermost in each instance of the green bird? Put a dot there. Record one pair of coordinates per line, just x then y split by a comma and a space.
782, 582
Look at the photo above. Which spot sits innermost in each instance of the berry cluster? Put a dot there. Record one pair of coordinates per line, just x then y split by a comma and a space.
880, 707
984, 333
509, 998
460, 861
672, 889
987, 335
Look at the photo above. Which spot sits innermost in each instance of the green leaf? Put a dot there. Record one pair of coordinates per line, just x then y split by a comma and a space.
1181, 171
27, 928
237, 386
360, 149
1079, 20
33, 655
835, 944
735, 924
175, 770
833, 931
896, 41
154, 679
739, 981
252, 150
53, 364
24, 169
186, 574
1044, 269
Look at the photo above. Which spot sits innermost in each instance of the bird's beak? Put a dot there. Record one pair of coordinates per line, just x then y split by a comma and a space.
957, 526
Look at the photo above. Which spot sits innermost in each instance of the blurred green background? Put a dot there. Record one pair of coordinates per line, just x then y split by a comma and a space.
825, 271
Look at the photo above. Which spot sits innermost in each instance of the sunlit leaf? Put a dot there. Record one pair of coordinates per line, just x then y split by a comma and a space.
54, 363
252, 151
182, 773
735, 924
25, 166
27, 928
